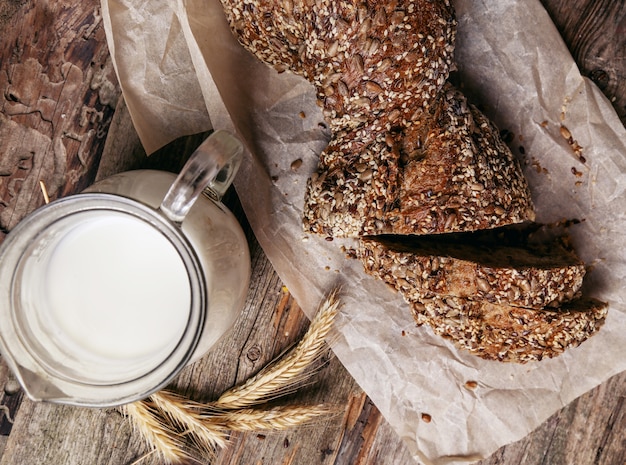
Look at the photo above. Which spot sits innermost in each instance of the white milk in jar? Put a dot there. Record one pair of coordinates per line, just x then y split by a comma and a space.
117, 288
108, 296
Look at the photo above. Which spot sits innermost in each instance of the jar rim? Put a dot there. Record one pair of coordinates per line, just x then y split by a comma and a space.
41, 383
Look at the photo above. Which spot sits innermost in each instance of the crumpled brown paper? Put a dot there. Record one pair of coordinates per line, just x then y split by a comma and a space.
181, 71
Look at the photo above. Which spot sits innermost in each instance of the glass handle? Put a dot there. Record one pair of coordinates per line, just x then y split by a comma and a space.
211, 167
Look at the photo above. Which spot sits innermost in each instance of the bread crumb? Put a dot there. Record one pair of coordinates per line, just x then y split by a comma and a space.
471, 384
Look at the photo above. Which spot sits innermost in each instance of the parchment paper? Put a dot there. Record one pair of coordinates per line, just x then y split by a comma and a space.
512, 62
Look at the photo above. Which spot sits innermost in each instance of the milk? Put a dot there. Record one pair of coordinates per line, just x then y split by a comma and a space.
115, 289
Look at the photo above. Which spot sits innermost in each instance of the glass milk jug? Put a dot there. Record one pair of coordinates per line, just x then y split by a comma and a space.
106, 295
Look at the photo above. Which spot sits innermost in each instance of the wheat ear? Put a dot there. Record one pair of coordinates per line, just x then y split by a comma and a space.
205, 425
189, 417
272, 419
156, 433
283, 373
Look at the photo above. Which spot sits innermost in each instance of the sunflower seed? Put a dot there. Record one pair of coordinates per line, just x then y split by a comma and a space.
373, 87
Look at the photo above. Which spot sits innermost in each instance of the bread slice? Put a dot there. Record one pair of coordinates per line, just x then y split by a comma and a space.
511, 334
446, 171
508, 294
494, 267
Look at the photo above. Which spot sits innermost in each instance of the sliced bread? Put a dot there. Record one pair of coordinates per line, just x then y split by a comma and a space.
475, 267
511, 334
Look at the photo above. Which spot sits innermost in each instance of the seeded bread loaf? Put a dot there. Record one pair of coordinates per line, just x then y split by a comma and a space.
470, 266
499, 294
406, 157
410, 156
447, 171
511, 334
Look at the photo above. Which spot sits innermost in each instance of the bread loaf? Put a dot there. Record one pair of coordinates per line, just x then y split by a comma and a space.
410, 156
405, 156
365, 58
498, 294
446, 171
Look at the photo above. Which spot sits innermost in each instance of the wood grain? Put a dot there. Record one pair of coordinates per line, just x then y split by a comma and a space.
57, 102
595, 32
57, 96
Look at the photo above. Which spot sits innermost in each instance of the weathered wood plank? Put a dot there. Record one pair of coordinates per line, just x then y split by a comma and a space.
595, 32
45, 433
57, 95
10, 401
590, 430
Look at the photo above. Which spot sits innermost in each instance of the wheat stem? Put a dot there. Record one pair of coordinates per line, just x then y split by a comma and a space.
283, 373
272, 419
166, 420
144, 457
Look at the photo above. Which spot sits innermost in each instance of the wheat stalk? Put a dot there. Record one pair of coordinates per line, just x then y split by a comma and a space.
283, 373
44, 191
156, 433
166, 419
272, 419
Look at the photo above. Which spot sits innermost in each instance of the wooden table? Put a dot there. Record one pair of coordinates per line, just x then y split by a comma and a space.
62, 121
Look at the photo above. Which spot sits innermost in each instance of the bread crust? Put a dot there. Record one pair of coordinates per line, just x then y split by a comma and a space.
380, 70
511, 334
364, 57
497, 294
